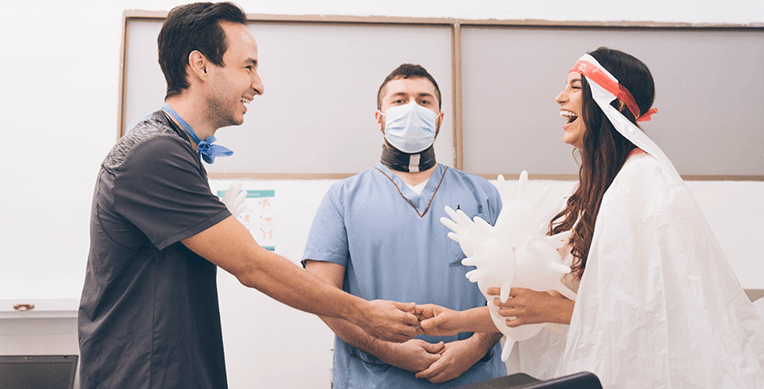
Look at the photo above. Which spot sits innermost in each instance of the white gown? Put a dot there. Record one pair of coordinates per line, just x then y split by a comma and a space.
659, 305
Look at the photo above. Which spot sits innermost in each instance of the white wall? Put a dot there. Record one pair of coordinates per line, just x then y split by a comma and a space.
58, 116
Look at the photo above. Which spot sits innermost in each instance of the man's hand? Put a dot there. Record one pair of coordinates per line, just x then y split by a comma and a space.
457, 357
414, 356
388, 320
527, 306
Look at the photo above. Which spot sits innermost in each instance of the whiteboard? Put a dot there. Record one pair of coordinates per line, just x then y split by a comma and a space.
709, 94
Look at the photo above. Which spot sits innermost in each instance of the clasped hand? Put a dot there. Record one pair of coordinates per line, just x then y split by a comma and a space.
525, 306
440, 362
436, 362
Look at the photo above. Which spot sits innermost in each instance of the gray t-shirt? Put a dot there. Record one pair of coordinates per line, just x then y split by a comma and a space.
149, 315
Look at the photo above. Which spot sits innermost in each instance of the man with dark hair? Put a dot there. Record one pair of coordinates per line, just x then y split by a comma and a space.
406, 71
378, 235
149, 315
197, 28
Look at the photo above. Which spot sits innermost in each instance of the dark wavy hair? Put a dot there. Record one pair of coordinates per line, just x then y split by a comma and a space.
192, 27
408, 70
604, 150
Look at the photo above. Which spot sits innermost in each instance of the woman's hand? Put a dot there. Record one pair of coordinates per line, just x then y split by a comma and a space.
526, 306
439, 321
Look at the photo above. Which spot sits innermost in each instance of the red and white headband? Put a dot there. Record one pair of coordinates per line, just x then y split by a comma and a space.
605, 88
593, 71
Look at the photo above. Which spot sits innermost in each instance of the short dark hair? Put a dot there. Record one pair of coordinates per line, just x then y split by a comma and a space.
408, 70
192, 27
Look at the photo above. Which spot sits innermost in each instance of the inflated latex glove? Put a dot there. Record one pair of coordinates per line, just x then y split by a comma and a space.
521, 215
538, 265
234, 199
466, 231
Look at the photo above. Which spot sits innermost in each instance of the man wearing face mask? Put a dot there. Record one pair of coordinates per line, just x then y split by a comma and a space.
378, 235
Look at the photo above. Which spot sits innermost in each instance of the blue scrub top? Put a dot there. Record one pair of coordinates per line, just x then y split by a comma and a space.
394, 247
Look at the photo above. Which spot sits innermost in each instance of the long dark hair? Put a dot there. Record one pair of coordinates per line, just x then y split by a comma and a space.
604, 150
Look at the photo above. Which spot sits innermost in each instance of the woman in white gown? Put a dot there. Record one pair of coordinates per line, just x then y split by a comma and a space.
657, 305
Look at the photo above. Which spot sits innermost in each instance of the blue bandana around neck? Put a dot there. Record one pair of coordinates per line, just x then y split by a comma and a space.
207, 151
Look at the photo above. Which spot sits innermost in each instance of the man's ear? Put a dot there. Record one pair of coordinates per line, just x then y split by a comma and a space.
438, 123
378, 119
197, 64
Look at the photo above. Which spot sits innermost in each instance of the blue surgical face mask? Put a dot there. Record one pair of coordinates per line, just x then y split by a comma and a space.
410, 128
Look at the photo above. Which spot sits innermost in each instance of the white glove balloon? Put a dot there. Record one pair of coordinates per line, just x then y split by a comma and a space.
234, 199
